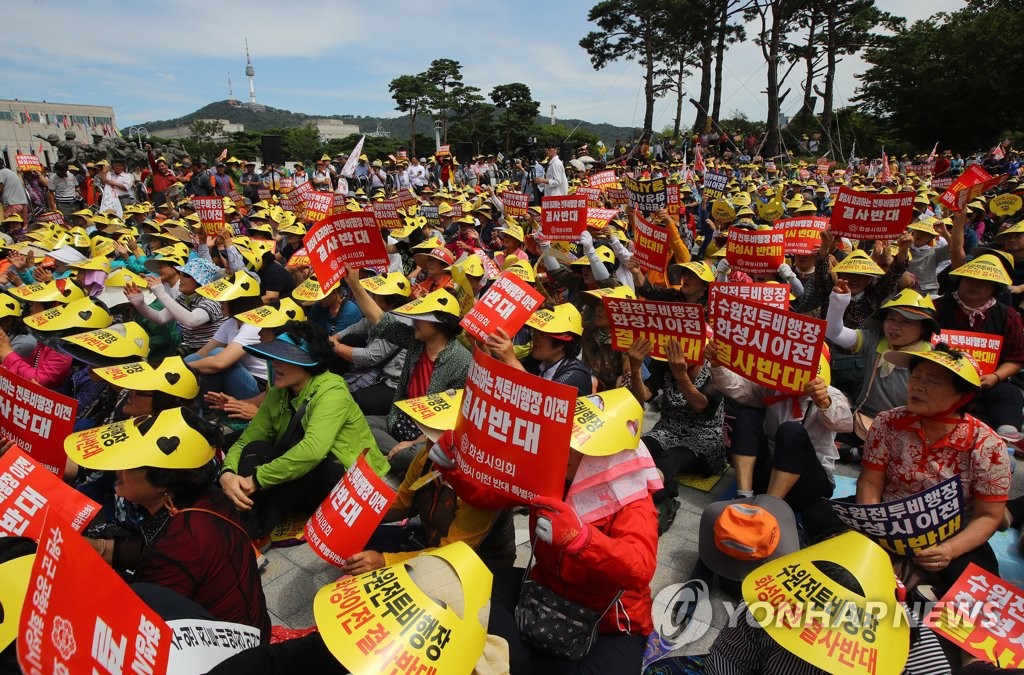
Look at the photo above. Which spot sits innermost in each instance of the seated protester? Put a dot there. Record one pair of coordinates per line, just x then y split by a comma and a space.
928, 252
973, 307
688, 436
904, 322
783, 445
592, 270
197, 317
435, 361
609, 367
689, 283
43, 364
512, 238
931, 439
336, 311
190, 540
375, 365
304, 437
242, 253
11, 325
805, 267
441, 517
434, 262
222, 363
473, 267
166, 267
557, 336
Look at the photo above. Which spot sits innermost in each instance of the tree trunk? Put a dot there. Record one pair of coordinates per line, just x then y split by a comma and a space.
807, 109
723, 21
648, 92
830, 75
679, 99
706, 57
412, 134
773, 138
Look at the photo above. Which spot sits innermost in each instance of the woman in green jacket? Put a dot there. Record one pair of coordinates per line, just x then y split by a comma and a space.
304, 437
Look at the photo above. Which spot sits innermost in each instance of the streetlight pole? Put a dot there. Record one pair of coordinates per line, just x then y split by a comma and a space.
438, 125
138, 133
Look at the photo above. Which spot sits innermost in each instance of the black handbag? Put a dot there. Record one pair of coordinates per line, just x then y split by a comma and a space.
553, 624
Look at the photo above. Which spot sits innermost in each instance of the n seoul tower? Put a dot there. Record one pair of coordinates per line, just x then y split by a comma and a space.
250, 72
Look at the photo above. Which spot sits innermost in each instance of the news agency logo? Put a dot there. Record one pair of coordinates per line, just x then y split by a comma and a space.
682, 613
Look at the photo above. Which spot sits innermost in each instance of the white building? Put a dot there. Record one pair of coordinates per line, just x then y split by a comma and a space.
331, 129
185, 131
21, 121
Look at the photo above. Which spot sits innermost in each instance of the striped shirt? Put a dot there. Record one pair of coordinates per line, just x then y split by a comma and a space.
192, 339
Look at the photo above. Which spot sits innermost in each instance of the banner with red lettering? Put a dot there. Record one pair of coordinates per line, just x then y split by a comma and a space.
264, 194
513, 430
803, 235
516, 204
564, 217
617, 196
603, 178
293, 201
385, 214
37, 418
773, 295
507, 305
598, 218
211, 213
28, 163
985, 348
51, 217
344, 522
318, 205
957, 197
81, 617
658, 322
650, 245
28, 491
350, 238
865, 215
972, 175
756, 251
285, 183
592, 195
773, 348
237, 199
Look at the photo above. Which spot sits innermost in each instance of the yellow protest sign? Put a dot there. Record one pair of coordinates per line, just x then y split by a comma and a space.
1005, 204
433, 414
385, 621
463, 291
606, 423
15, 575
722, 211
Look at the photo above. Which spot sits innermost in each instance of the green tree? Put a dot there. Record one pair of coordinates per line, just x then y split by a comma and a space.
411, 94
444, 78
518, 110
302, 143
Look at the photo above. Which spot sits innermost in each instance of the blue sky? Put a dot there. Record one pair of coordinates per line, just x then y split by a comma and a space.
155, 61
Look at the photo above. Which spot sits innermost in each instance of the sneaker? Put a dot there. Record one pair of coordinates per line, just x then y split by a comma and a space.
262, 562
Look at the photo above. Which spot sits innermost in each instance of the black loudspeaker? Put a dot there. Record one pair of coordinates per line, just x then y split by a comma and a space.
464, 152
271, 151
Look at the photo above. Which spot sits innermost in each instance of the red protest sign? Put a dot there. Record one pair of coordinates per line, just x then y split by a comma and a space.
491, 269
968, 194
864, 215
444, 150
81, 617
773, 348
507, 305
564, 218
211, 213
345, 239
264, 194
318, 205
603, 178
51, 217
592, 194
37, 418
407, 198
985, 348
973, 175
650, 245
979, 613
941, 183
516, 204
513, 430
598, 218
673, 202
28, 163
237, 198
756, 251
27, 491
344, 522
803, 235
339, 203
285, 184
773, 295
658, 322
385, 214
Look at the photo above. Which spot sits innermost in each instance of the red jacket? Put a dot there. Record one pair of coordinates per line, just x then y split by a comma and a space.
622, 554
46, 366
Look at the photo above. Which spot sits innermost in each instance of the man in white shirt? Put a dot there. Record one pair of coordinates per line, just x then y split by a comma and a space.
417, 174
555, 181
121, 181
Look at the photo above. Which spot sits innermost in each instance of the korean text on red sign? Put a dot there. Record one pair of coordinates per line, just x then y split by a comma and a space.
773, 348
757, 251
864, 215
564, 217
345, 239
507, 305
37, 418
650, 245
603, 178
803, 235
513, 431
211, 213
344, 522
516, 204
386, 214
773, 295
983, 347
658, 322
27, 491
318, 205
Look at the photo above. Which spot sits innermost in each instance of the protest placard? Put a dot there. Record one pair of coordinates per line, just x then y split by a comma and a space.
513, 430
430, 212
598, 218
658, 322
264, 194
434, 413
963, 197
713, 185
37, 418
491, 269
27, 162
237, 199
318, 205
603, 178
385, 214
756, 251
650, 245
350, 238
822, 165
869, 216
616, 196
507, 305
673, 204
444, 150
516, 204
211, 213
293, 201
51, 217
983, 615
456, 211
339, 203
973, 175
593, 195
197, 645
344, 522
407, 198
81, 617
27, 491
285, 183
773, 295
769, 346
564, 217
647, 195
909, 525
921, 169
941, 183
803, 235
984, 347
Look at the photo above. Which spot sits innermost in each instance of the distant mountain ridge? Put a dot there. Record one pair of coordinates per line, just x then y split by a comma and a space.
275, 118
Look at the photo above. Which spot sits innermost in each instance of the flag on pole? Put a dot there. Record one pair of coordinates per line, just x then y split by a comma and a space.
853, 156
934, 152
349, 170
698, 161
886, 172
997, 152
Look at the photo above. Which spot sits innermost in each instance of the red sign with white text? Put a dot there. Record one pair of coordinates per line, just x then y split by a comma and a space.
985, 348
773, 295
865, 215
756, 251
803, 235
598, 218
972, 175
507, 305
28, 162
37, 418
564, 217
211, 213
27, 490
385, 214
773, 348
658, 322
350, 238
650, 245
344, 522
603, 178
592, 194
81, 617
516, 204
513, 431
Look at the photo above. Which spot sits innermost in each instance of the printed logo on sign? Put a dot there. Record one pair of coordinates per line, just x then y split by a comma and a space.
682, 612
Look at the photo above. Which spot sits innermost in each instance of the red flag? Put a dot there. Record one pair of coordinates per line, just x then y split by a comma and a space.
698, 162
40, 150
886, 172
997, 151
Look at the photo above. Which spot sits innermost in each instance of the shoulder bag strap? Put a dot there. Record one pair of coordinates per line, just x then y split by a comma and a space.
174, 511
871, 383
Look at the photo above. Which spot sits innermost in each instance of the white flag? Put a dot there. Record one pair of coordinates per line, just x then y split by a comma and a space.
349, 170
